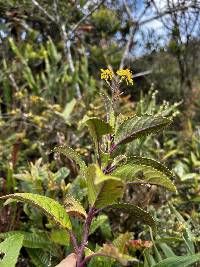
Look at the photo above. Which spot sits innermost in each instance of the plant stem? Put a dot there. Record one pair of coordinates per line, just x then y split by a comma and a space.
73, 241
84, 242
99, 254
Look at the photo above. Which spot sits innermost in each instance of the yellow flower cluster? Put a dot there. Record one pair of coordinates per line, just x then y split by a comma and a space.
126, 75
106, 74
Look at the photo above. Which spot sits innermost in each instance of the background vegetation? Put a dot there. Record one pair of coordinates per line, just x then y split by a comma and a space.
51, 53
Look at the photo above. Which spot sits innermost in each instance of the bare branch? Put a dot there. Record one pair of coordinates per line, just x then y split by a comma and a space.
166, 12
43, 10
86, 16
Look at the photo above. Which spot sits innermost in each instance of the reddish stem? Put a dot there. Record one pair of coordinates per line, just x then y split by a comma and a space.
84, 242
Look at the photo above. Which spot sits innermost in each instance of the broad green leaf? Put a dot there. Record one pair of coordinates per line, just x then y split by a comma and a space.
121, 241
97, 222
110, 192
92, 189
150, 162
38, 257
102, 189
136, 213
60, 236
47, 205
73, 155
179, 261
100, 177
31, 240
144, 170
109, 250
136, 127
97, 126
74, 207
10, 249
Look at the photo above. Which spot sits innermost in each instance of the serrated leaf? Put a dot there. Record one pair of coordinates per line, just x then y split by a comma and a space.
31, 240
102, 189
179, 261
74, 207
38, 257
97, 222
144, 170
10, 249
150, 162
47, 205
110, 192
121, 240
73, 155
110, 250
136, 213
136, 127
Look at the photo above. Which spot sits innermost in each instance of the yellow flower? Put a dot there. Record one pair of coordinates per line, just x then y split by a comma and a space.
125, 75
106, 74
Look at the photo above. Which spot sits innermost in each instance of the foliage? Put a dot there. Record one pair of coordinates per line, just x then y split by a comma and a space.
104, 181
107, 133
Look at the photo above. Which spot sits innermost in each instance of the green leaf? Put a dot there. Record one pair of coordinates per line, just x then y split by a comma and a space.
148, 258
92, 189
144, 170
31, 240
74, 207
136, 127
167, 251
97, 222
60, 236
73, 155
186, 232
103, 189
10, 248
38, 257
47, 205
110, 192
69, 109
150, 162
136, 213
97, 126
179, 261
121, 240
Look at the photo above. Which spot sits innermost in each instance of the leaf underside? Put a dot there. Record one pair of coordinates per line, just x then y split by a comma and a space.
136, 213
74, 207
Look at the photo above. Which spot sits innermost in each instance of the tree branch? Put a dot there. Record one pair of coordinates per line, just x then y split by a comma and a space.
85, 17
43, 10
